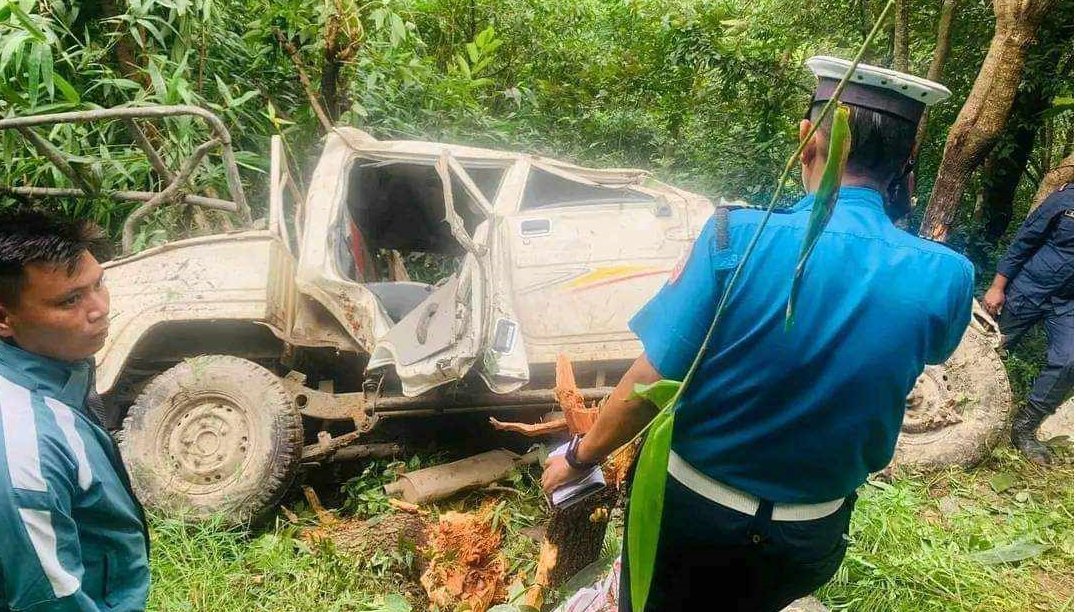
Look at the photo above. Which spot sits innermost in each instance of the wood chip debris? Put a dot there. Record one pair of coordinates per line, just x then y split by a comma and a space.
580, 417
466, 567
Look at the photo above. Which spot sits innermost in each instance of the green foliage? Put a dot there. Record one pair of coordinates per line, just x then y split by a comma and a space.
660, 393
705, 93
365, 493
648, 488
207, 567
918, 544
646, 505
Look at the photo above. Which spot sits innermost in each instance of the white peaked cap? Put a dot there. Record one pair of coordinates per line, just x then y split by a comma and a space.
880, 89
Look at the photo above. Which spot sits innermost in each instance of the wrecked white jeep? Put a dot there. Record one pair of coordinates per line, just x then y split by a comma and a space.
235, 358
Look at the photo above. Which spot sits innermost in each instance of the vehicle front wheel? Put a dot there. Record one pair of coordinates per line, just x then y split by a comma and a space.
213, 435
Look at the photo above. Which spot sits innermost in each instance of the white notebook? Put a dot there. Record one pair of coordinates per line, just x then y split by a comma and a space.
575, 491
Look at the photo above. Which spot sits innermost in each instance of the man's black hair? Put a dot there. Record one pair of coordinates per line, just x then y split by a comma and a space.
881, 143
28, 237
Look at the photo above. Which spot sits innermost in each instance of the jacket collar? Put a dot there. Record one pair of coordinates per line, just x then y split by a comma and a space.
68, 382
864, 197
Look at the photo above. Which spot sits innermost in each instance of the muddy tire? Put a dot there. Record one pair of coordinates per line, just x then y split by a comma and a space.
959, 410
214, 435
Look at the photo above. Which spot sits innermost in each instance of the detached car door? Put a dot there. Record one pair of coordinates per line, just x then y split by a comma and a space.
463, 321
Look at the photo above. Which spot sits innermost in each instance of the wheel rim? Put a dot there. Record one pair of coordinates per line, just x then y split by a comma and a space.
206, 442
931, 405
956, 411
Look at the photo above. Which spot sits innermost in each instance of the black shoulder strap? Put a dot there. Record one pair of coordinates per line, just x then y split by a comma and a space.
721, 227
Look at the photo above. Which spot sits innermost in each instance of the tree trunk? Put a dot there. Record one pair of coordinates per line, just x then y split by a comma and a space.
578, 533
330, 77
937, 62
124, 50
1053, 181
865, 17
985, 112
1049, 66
1006, 165
330, 68
900, 36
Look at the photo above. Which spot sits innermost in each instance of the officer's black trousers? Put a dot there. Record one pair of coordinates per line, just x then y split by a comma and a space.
1054, 383
714, 558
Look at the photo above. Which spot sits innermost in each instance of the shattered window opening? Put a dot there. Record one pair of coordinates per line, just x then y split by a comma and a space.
547, 190
396, 220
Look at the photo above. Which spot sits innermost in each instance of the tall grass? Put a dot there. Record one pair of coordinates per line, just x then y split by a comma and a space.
917, 544
214, 569
914, 547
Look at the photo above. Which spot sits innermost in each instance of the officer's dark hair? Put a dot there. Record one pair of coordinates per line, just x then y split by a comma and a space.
29, 236
881, 143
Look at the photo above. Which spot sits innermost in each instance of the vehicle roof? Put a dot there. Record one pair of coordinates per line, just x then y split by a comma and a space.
366, 144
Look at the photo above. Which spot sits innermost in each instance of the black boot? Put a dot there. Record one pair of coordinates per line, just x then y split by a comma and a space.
1024, 426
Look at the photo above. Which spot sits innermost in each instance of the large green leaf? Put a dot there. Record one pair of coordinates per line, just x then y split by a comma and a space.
27, 22
66, 89
10, 45
647, 502
824, 201
395, 603
35, 59
47, 76
1010, 553
660, 393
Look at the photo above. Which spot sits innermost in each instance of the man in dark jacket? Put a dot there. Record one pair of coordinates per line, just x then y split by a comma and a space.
1034, 283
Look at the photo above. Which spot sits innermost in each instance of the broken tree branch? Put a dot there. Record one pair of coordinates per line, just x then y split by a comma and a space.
168, 194
324, 516
308, 87
403, 506
56, 156
547, 560
531, 430
143, 143
134, 196
580, 418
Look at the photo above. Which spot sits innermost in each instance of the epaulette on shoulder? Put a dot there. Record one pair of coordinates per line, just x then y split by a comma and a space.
721, 220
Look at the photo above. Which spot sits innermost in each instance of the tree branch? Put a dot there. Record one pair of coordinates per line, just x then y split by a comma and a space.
293, 53
168, 194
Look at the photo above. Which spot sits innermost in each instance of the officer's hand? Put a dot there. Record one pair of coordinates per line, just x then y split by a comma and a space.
557, 472
994, 300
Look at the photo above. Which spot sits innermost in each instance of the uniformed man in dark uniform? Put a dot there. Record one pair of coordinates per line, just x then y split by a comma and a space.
780, 426
1034, 283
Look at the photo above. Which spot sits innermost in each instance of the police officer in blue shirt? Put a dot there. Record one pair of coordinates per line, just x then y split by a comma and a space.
1034, 283
779, 427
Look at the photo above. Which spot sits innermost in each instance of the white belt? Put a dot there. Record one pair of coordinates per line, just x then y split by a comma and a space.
741, 501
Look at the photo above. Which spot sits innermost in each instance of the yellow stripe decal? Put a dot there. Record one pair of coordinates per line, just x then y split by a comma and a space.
612, 274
